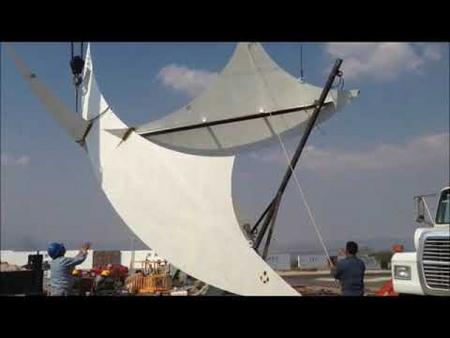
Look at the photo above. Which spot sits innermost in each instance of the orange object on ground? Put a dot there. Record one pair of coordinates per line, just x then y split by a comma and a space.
397, 248
387, 289
156, 283
149, 284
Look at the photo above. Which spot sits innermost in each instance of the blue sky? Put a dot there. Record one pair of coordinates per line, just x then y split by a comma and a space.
359, 173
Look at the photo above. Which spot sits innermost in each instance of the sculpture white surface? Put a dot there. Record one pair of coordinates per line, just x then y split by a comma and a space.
170, 180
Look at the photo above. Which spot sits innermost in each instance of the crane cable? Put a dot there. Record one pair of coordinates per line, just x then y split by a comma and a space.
340, 84
311, 216
302, 78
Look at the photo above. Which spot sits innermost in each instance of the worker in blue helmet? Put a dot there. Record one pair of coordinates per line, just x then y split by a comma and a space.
61, 279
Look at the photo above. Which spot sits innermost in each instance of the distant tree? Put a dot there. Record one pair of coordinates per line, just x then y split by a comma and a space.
294, 263
383, 258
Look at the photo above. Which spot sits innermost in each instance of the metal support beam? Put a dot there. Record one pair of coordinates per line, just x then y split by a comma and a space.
265, 225
274, 206
272, 225
226, 121
261, 217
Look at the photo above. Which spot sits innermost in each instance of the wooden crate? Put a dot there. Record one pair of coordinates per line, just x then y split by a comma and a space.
151, 284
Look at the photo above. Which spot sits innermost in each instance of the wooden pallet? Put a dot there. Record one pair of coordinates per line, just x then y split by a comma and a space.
157, 283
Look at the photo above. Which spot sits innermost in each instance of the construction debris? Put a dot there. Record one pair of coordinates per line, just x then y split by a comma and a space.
4, 267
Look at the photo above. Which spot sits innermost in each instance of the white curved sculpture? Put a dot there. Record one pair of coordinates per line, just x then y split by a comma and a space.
179, 204
251, 85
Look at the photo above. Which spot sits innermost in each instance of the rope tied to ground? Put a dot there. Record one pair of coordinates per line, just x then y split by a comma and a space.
310, 214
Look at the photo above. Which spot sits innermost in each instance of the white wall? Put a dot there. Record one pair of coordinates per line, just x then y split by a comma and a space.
20, 258
14, 258
140, 255
313, 262
371, 263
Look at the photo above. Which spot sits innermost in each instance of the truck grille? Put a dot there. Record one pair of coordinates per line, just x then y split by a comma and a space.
436, 262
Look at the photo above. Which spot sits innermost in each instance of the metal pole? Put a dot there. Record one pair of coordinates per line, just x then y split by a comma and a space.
226, 121
261, 217
76, 99
132, 255
272, 225
266, 223
309, 127
301, 62
428, 210
334, 72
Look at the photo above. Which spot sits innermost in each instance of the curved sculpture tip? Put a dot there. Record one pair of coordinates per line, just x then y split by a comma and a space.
355, 93
74, 125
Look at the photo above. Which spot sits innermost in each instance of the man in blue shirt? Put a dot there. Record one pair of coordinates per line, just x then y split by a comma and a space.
61, 280
350, 272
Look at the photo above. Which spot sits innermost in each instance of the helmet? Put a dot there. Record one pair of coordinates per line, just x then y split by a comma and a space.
56, 250
105, 273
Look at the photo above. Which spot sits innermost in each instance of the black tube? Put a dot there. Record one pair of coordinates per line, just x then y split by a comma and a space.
274, 209
226, 121
272, 225
261, 217
310, 125
266, 222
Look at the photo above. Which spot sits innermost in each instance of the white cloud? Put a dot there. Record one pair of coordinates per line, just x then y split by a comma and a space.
424, 150
383, 61
431, 51
182, 78
10, 161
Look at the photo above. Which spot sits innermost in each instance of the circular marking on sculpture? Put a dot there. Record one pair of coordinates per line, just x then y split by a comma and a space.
264, 277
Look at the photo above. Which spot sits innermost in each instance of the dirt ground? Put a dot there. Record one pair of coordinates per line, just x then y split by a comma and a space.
320, 283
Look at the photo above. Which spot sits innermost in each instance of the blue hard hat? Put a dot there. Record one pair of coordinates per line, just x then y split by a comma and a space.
55, 250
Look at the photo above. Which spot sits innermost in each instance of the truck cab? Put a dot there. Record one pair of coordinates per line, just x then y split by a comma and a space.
426, 271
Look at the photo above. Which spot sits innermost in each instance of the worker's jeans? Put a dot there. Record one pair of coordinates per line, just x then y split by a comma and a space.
59, 292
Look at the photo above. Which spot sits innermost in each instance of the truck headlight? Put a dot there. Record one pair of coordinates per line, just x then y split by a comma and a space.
402, 272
